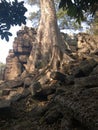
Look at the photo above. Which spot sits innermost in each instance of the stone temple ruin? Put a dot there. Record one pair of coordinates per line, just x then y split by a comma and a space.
20, 58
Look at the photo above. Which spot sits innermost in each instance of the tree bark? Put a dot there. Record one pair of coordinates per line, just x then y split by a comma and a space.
49, 37
50, 48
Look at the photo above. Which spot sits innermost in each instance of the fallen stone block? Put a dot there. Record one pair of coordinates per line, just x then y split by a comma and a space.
5, 103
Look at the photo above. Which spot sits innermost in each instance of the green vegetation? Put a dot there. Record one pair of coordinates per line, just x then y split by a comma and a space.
77, 8
11, 13
2, 65
2, 68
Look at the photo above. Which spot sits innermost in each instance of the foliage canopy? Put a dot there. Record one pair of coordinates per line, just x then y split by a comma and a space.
77, 8
11, 13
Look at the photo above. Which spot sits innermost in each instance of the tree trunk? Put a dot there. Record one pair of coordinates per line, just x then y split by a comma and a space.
50, 48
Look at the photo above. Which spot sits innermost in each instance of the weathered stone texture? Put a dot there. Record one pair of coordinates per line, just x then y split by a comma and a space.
86, 44
18, 56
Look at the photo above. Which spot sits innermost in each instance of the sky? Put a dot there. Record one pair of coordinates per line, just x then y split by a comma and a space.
6, 46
